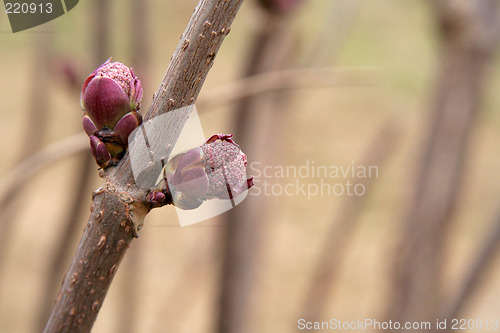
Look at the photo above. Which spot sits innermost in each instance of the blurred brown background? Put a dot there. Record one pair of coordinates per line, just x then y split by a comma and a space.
365, 86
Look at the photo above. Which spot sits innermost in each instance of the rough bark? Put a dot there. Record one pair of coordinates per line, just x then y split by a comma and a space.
120, 203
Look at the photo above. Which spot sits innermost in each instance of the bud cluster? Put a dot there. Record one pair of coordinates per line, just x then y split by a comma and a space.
110, 98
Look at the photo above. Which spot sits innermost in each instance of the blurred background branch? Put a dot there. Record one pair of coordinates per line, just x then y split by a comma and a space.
72, 222
467, 45
258, 125
34, 129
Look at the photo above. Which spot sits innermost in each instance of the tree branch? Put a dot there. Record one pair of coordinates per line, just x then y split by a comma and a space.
120, 204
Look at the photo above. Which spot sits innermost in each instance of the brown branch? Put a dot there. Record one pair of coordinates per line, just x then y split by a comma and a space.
120, 205
467, 47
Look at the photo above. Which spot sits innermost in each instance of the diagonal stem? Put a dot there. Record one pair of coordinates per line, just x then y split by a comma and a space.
120, 205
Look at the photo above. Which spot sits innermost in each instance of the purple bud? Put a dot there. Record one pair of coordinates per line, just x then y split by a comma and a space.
110, 97
187, 179
100, 152
126, 125
217, 169
88, 125
158, 198
109, 93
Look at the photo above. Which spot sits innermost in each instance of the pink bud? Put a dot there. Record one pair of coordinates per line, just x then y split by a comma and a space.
109, 93
110, 97
217, 169
225, 166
